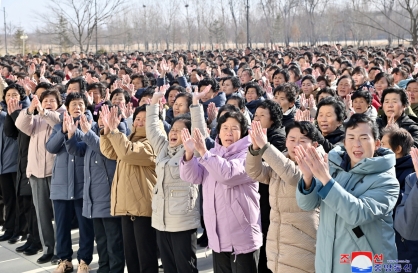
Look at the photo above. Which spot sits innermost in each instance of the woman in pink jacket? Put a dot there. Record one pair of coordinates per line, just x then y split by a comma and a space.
231, 200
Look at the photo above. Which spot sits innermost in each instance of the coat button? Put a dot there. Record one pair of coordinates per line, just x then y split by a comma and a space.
72, 197
72, 160
95, 162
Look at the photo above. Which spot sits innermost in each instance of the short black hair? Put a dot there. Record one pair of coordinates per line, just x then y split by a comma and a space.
353, 83
338, 105
188, 96
120, 91
234, 80
284, 72
399, 137
227, 108
177, 88
365, 94
81, 82
291, 91
76, 96
18, 88
148, 92
276, 113
139, 109
99, 86
401, 92
52, 91
238, 116
307, 128
257, 88
209, 81
354, 121
43, 85
239, 99
388, 77
185, 118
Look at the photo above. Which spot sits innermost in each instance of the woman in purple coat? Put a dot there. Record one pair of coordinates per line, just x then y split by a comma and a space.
230, 197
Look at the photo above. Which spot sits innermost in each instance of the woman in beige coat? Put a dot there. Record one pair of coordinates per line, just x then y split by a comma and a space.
292, 233
132, 187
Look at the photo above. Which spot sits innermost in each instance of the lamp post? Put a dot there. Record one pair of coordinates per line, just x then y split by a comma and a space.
188, 26
145, 24
248, 24
23, 37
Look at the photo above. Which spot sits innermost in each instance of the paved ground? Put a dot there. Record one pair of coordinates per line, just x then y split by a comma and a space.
13, 262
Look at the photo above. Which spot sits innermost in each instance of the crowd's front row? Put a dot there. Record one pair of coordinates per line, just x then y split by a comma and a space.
132, 193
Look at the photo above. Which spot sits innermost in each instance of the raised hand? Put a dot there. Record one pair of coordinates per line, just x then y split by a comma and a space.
304, 103
159, 94
311, 102
128, 110
85, 124
12, 106
70, 125
89, 97
114, 119
104, 115
303, 115
31, 69
303, 166
212, 112
34, 104
269, 90
391, 120
188, 144
348, 103
199, 142
318, 165
43, 69
258, 135
198, 96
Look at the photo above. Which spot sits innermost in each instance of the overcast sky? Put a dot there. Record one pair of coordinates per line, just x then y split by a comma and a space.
21, 12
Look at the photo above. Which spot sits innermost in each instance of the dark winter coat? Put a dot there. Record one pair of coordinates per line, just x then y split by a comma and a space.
406, 122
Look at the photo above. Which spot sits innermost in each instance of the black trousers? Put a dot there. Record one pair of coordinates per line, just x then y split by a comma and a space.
226, 262
108, 233
140, 244
7, 184
262, 263
178, 251
30, 214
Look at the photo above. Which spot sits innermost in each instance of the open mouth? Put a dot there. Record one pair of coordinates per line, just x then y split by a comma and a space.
358, 154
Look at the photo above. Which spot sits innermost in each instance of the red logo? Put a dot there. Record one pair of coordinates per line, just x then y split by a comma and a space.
378, 259
344, 258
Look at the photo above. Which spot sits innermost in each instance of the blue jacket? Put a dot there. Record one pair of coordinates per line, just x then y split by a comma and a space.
68, 172
219, 100
356, 209
8, 146
252, 105
98, 175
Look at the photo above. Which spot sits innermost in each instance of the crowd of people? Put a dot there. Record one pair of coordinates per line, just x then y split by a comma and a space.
290, 159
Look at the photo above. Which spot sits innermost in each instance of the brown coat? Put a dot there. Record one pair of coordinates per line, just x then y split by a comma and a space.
135, 176
291, 236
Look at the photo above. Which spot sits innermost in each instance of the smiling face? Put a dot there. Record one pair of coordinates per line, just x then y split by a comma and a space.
230, 132
208, 95
327, 119
393, 105
73, 87
296, 138
330, 76
118, 99
360, 105
251, 95
174, 136
180, 106
307, 87
76, 108
344, 87
359, 143
50, 102
140, 119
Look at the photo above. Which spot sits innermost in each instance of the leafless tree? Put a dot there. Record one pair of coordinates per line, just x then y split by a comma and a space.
82, 16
